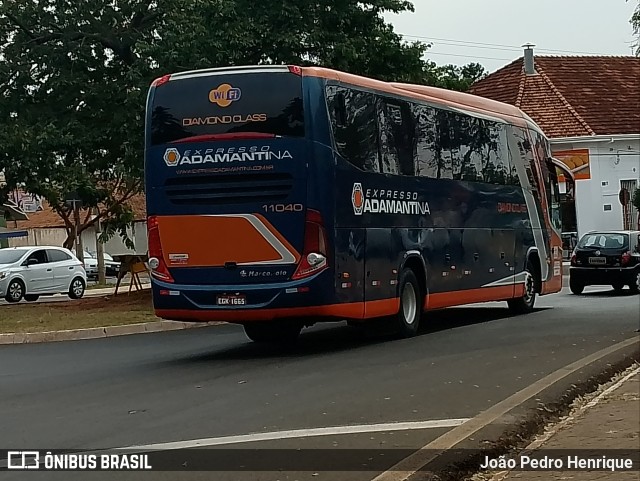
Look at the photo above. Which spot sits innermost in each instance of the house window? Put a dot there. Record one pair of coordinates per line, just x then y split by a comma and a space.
607, 207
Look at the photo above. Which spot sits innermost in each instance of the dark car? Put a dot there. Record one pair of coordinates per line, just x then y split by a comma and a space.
606, 258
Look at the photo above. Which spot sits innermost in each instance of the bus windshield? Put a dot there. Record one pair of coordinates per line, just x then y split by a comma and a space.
205, 107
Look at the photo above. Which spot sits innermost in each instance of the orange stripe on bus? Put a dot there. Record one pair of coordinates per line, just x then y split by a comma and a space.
354, 310
441, 300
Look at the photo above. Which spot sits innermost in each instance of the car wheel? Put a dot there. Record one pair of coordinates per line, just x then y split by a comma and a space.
407, 319
635, 288
575, 286
77, 287
31, 297
275, 332
15, 291
524, 304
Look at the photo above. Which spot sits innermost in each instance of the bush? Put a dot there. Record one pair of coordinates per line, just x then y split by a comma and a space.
636, 199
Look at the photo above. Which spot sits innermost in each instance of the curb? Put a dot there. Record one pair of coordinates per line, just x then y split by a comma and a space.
99, 332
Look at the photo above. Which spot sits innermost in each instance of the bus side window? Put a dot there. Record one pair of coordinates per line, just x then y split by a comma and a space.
356, 134
340, 109
432, 152
397, 135
497, 169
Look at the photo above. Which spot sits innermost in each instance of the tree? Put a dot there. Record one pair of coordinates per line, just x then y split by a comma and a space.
348, 35
71, 92
453, 77
635, 22
635, 201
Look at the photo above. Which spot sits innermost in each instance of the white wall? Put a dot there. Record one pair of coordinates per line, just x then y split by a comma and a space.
115, 246
610, 163
40, 237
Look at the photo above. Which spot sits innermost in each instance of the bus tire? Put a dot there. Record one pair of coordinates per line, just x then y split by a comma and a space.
274, 332
525, 304
407, 319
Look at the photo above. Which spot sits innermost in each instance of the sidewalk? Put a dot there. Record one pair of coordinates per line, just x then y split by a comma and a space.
108, 291
606, 424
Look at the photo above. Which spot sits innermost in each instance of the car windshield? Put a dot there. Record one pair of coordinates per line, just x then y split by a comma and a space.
604, 241
9, 256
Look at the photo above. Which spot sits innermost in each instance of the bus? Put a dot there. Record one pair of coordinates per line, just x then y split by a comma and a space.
283, 196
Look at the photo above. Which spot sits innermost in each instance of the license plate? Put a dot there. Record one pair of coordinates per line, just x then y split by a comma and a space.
234, 300
598, 261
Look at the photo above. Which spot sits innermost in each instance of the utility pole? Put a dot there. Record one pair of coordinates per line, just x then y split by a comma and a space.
102, 278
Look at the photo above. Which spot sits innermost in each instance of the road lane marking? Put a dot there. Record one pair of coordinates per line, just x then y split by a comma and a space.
301, 433
413, 463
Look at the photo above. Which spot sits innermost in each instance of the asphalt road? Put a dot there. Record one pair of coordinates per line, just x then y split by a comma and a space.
212, 382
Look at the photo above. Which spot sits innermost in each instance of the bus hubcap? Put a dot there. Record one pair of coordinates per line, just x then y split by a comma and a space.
409, 303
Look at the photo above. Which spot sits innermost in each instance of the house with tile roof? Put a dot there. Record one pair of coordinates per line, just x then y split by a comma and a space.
589, 107
46, 227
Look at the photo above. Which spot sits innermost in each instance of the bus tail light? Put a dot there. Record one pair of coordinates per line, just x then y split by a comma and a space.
157, 264
314, 254
161, 80
626, 258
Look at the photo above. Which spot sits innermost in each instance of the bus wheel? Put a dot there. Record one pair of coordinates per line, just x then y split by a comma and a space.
524, 304
275, 332
408, 318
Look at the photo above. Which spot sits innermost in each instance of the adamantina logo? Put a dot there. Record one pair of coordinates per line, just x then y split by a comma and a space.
384, 201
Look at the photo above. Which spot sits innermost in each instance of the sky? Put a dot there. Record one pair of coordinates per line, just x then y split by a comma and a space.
491, 32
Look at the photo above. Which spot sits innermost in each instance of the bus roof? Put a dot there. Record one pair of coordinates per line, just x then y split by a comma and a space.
448, 98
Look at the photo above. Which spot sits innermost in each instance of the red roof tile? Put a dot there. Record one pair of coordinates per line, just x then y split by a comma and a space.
572, 96
48, 218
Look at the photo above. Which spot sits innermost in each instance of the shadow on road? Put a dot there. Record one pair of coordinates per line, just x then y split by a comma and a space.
607, 293
327, 338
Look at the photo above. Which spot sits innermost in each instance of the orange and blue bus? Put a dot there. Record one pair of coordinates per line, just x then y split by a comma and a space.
281, 196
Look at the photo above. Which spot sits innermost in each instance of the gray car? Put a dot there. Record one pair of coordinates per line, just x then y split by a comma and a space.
31, 272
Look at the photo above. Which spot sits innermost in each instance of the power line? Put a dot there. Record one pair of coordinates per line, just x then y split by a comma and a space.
465, 56
493, 46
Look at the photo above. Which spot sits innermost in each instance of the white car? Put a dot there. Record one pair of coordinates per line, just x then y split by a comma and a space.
31, 272
91, 265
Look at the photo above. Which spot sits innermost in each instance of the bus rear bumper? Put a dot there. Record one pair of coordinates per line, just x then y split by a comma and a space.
263, 303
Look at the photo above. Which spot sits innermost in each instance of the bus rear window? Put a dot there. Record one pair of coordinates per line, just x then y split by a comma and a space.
265, 103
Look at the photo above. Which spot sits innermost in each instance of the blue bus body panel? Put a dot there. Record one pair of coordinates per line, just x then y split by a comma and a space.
469, 236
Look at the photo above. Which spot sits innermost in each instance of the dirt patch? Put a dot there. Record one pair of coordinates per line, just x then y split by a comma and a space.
123, 301
79, 314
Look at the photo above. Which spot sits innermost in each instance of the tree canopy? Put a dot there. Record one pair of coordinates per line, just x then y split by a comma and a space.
74, 78
635, 22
